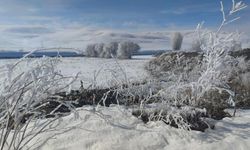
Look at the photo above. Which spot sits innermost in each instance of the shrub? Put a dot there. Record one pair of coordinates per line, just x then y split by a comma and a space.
213, 81
176, 40
23, 91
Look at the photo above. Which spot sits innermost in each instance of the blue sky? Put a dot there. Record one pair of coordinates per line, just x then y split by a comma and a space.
34, 18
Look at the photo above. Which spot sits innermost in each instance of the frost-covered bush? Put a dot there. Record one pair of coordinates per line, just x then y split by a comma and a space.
179, 69
176, 40
23, 91
204, 79
127, 49
216, 58
217, 64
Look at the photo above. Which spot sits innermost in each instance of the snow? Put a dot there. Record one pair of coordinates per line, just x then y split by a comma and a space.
142, 56
115, 128
89, 67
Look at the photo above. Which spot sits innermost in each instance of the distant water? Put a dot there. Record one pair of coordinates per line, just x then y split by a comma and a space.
150, 52
17, 54
37, 54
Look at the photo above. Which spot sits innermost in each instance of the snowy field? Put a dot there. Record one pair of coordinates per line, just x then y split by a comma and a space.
114, 128
100, 71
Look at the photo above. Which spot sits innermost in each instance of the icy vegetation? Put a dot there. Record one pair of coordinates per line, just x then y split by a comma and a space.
123, 50
206, 80
22, 95
176, 39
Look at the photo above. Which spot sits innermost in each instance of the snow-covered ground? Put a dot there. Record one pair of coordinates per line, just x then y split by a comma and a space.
114, 128
103, 72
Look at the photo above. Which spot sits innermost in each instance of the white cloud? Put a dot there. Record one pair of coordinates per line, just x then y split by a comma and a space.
31, 37
56, 32
77, 36
28, 30
191, 9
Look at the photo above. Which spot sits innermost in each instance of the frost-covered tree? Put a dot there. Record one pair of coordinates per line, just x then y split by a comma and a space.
109, 50
90, 51
176, 40
122, 50
99, 47
127, 49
